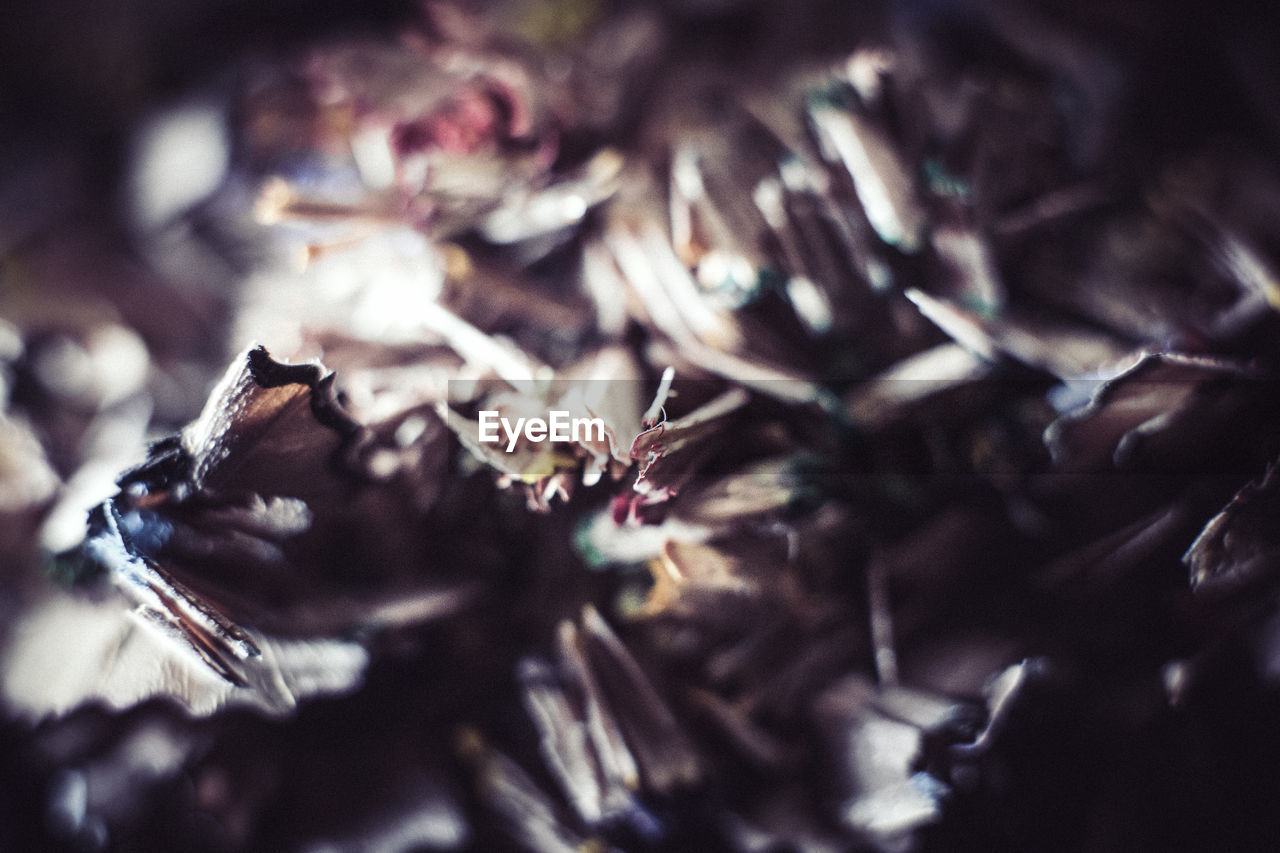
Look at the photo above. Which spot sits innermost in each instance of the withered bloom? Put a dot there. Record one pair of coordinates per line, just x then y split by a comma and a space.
931, 505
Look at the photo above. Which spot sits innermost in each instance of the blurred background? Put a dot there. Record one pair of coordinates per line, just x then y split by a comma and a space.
964, 536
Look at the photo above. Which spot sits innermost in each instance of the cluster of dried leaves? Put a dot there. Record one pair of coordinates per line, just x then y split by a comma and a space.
934, 508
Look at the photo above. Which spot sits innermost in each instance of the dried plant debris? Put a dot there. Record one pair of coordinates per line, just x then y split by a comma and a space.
646, 427
1234, 550
232, 523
